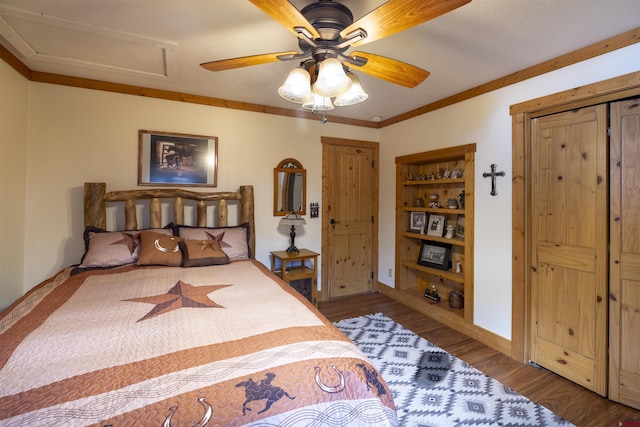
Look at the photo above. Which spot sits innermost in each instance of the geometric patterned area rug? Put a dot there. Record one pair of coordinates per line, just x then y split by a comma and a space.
434, 388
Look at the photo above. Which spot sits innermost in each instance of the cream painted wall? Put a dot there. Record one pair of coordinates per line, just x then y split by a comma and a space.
484, 120
14, 102
79, 135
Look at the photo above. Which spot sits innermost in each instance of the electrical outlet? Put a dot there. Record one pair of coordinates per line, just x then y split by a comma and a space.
390, 272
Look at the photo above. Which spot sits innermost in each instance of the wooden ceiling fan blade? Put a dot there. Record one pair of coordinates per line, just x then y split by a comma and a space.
287, 15
391, 70
244, 61
399, 15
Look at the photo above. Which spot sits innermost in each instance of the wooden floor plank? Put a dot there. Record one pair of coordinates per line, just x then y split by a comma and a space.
568, 400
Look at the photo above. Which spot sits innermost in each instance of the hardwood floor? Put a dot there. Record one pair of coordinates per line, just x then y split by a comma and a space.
568, 400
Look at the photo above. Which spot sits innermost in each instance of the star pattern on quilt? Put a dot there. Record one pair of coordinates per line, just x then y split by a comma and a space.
182, 295
130, 240
219, 238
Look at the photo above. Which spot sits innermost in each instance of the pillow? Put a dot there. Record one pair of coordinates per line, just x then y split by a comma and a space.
234, 241
159, 249
198, 253
104, 249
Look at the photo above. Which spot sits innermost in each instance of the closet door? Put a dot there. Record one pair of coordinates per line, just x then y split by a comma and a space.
624, 296
569, 270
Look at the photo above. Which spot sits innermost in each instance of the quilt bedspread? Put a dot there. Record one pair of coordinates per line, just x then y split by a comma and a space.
224, 345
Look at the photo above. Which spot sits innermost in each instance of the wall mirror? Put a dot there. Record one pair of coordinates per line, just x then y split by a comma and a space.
289, 188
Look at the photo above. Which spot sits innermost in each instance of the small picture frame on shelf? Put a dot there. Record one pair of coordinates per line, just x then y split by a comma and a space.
460, 227
436, 225
417, 221
435, 255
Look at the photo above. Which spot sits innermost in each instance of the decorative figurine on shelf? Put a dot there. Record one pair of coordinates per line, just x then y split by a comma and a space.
461, 199
418, 202
433, 201
449, 234
452, 203
430, 176
457, 173
444, 173
432, 293
458, 267
410, 177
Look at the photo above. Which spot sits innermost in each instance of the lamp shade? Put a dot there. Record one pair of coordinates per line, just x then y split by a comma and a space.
297, 87
332, 80
317, 102
355, 95
292, 219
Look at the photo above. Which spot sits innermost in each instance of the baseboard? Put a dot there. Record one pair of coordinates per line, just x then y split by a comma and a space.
476, 332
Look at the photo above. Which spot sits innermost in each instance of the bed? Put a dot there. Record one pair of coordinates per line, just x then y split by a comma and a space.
177, 325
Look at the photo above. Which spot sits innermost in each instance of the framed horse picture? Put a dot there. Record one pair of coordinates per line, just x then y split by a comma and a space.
434, 254
177, 159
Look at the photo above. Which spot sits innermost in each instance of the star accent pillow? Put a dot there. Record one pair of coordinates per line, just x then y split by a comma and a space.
234, 241
198, 253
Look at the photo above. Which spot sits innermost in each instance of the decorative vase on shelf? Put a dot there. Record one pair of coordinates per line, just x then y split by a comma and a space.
452, 203
456, 299
433, 201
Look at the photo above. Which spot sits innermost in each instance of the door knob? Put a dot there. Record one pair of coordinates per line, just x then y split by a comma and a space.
332, 221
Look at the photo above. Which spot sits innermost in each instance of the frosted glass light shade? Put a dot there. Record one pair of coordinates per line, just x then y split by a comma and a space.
317, 102
355, 95
332, 81
297, 87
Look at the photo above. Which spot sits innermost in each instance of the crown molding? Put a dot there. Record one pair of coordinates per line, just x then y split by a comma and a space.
625, 39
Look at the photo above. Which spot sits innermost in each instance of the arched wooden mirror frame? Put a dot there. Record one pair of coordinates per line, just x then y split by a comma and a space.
289, 188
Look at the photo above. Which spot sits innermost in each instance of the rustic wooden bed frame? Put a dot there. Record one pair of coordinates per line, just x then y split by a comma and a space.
96, 198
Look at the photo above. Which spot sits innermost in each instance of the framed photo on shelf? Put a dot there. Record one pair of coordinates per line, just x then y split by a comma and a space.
436, 225
460, 227
417, 221
177, 159
435, 255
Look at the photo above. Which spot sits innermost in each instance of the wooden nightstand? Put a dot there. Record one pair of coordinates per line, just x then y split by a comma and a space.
294, 267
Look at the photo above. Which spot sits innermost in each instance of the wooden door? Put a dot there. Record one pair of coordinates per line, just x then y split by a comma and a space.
569, 245
350, 199
624, 292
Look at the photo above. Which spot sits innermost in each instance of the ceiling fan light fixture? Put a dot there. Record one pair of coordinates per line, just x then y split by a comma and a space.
317, 102
297, 87
332, 80
354, 95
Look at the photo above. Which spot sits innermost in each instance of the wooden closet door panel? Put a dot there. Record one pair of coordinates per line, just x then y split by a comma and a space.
569, 247
624, 307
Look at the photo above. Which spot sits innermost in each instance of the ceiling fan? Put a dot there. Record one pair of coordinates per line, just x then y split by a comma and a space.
325, 29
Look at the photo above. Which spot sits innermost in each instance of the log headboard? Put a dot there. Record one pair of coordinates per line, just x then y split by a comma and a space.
96, 198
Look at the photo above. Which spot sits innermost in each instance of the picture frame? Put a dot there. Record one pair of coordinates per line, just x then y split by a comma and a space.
417, 221
435, 254
436, 224
176, 159
460, 226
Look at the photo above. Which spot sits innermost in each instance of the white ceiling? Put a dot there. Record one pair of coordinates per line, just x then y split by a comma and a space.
160, 43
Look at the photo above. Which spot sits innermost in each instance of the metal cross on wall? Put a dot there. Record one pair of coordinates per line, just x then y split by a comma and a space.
493, 176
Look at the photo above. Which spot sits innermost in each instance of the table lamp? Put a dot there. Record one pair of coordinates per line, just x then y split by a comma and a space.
292, 219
